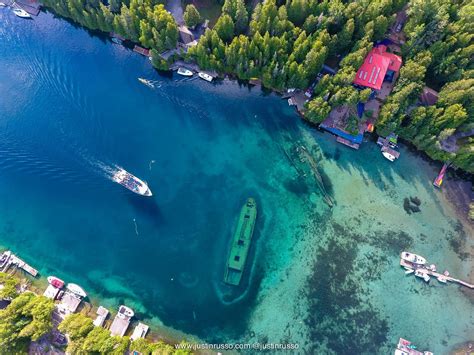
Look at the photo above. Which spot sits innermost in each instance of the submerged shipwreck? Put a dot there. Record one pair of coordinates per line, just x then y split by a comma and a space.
241, 243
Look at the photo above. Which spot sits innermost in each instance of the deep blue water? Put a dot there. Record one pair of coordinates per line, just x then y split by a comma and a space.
72, 109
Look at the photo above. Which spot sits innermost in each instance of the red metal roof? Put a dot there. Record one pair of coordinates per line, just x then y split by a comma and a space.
375, 66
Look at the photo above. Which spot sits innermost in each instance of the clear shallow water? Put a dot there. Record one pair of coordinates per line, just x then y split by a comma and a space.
71, 108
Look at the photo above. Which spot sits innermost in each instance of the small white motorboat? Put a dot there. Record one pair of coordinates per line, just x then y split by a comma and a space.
147, 82
76, 289
388, 156
2, 4
409, 271
442, 279
421, 273
184, 72
413, 258
21, 13
125, 312
205, 76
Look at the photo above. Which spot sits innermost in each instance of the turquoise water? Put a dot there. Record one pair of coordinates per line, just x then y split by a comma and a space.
71, 109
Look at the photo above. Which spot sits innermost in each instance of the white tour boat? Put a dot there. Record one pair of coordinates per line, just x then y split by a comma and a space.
131, 182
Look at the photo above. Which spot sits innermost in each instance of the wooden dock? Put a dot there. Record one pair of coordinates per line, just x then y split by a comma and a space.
141, 50
348, 143
429, 271
13, 260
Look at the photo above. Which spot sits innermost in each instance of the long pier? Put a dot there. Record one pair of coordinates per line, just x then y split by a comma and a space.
437, 275
9, 259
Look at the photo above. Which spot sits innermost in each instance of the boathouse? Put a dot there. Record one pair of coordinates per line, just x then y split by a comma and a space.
379, 65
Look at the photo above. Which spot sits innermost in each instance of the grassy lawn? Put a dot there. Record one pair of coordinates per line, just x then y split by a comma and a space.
209, 9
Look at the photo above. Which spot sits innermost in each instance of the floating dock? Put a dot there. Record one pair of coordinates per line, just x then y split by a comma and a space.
348, 143
121, 321
102, 314
141, 50
139, 331
429, 271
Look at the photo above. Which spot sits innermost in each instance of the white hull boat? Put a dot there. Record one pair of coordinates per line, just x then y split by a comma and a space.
131, 182
205, 76
409, 271
423, 274
21, 13
125, 312
413, 258
184, 72
76, 289
2, 4
147, 82
388, 156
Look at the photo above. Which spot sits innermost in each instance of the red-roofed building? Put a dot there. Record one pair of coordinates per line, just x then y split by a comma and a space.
376, 66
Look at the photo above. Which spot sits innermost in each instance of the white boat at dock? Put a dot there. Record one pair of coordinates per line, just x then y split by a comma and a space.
77, 290
21, 13
147, 82
131, 182
423, 274
388, 156
405, 347
184, 72
2, 4
413, 258
205, 76
409, 271
121, 321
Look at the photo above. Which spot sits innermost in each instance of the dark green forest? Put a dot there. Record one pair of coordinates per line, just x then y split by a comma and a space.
286, 43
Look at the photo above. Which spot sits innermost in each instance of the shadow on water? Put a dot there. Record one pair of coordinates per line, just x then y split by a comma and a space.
146, 206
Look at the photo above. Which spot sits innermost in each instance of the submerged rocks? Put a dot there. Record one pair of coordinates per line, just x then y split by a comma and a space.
411, 204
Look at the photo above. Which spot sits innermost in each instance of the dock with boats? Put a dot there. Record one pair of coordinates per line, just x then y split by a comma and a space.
9, 260
121, 321
426, 271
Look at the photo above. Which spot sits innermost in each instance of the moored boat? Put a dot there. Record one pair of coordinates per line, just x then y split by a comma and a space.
413, 258
2, 4
241, 243
125, 312
117, 40
131, 182
21, 13
388, 156
409, 271
56, 282
205, 76
422, 273
184, 72
77, 290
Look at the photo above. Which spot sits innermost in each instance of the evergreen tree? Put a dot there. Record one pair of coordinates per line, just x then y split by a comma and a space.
192, 16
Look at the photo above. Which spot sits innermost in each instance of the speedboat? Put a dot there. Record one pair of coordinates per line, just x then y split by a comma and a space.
388, 156
125, 312
131, 182
147, 82
442, 279
413, 258
422, 273
205, 76
2, 4
21, 13
184, 72
117, 40
56, 282
77, 290
409, 271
